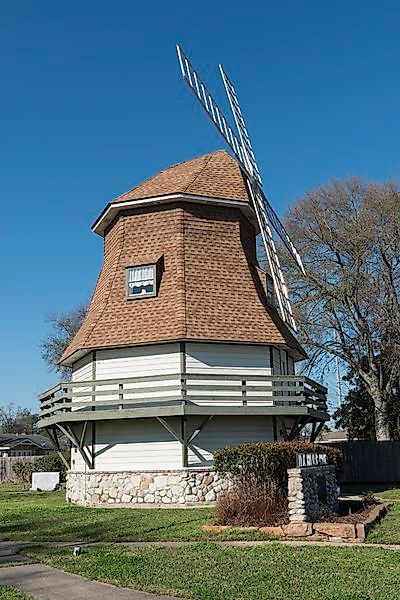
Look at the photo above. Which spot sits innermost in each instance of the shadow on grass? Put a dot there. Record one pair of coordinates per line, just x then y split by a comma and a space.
69, 523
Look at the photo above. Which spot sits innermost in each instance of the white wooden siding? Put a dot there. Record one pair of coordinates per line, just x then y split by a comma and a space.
143, 444
161, 359
158, 359
228, 431
227, 359
137, 361
82, 369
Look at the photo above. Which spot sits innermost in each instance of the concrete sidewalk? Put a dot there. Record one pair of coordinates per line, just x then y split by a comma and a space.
14, 547
8, 554
46, 583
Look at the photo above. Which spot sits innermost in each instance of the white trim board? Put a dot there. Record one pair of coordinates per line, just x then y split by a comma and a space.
113, 208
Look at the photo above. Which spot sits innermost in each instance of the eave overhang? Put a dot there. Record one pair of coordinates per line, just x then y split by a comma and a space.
114, 208
80, 353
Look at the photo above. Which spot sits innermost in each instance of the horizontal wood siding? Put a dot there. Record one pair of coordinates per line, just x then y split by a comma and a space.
144, 444
227, 359
137, 361
228, 431
137, 444
131, 362
82, 369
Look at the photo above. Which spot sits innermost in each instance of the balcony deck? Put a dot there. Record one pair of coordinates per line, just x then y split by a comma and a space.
183, 394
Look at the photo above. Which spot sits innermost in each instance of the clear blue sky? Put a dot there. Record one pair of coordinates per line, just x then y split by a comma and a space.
92, 103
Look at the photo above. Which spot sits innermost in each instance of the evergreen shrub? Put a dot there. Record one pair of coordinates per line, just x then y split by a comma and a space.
268, 461
48, 462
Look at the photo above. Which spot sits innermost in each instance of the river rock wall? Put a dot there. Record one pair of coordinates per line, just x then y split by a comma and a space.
180, 487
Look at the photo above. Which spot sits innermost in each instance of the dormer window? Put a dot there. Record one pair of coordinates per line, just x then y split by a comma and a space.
140, 282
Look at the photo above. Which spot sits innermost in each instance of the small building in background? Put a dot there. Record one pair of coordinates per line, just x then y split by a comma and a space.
341, 435
23, 444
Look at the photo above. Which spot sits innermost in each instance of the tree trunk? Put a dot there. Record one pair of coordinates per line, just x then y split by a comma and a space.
381, 414
382, 430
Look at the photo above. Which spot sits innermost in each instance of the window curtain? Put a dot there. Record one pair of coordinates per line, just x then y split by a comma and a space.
140, 276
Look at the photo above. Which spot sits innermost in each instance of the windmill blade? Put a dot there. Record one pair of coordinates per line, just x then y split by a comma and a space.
241, 126
212, 109
281, 290
244, 154
277, 224
253, 170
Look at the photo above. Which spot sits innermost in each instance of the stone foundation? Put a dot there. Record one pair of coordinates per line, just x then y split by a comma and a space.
312, 491
178, 487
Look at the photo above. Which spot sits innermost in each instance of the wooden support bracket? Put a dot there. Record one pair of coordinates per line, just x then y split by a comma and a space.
52, 433
317, 428
86, 454
199, 428
283, 428
298, 425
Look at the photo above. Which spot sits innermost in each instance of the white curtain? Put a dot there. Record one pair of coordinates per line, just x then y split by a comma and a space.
140, 276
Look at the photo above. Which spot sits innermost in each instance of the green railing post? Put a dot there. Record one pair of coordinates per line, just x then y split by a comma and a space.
120, 396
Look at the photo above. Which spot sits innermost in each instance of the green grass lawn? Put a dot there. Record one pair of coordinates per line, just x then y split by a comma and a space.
388, 530
7, 593
208, 571
33, 516
203, 570
45, 516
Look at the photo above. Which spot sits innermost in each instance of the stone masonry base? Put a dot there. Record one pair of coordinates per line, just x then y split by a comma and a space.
312, 491
178, 487
323, 532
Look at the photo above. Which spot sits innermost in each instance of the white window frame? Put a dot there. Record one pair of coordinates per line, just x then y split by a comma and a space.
142, 295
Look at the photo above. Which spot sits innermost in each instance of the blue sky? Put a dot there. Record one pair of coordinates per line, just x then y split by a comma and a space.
92, 103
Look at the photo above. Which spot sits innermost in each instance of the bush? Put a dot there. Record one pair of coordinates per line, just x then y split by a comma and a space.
249, 503
49, 462
259, 493
268, 461
23, 471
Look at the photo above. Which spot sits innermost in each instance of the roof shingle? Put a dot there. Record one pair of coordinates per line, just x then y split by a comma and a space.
215, 175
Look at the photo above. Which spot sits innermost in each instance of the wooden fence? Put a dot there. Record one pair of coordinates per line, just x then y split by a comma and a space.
7, 474
370, 462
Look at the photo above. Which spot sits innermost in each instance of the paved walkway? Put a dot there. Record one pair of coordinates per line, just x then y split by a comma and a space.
46, 583
11, 548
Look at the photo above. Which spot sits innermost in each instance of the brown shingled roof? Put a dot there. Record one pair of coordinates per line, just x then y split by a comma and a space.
209, 287
215, 175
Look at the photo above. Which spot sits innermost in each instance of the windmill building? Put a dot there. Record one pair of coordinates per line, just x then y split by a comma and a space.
183, 349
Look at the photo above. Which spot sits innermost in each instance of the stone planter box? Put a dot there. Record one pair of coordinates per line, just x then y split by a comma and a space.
343, 532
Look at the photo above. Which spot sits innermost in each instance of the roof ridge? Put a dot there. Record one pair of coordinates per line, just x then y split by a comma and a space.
209, 157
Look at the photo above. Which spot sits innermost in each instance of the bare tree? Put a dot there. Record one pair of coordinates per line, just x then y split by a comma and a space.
16, 419
63, 328
347, 305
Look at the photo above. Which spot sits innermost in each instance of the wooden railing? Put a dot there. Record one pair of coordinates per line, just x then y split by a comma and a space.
190, 388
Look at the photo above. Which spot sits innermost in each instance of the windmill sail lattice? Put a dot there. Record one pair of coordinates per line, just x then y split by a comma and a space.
252, 166
244, 154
